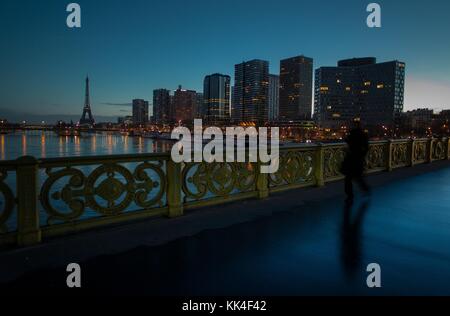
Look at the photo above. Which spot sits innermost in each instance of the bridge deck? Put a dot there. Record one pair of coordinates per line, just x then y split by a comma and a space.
297, 242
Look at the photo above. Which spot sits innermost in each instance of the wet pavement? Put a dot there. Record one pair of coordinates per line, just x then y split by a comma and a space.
319, 246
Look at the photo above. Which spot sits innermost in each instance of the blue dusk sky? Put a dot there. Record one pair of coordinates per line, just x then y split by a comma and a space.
129, 48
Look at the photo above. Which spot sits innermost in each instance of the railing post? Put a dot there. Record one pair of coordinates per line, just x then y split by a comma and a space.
430, 150
262, 183
448, 149
320, 179
28, 228
413, 144
174, 181
389, 155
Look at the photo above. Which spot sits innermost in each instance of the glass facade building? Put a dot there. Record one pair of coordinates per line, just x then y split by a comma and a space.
140, 111
359, 89
274, 92
216, 97
250, 95
296, 79
162, 112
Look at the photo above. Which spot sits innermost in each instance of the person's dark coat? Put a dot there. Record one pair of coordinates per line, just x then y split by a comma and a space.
358, 146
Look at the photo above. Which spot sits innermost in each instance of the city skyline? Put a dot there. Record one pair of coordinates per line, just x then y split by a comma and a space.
44, 65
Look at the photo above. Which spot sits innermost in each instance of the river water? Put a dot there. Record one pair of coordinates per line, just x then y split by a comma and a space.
46, 144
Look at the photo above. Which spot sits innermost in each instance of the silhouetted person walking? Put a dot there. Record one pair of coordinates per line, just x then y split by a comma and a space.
353, 165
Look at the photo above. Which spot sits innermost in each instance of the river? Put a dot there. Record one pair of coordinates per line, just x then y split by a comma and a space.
47, 144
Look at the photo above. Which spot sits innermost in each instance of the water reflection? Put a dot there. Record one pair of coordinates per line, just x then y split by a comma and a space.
24, 144
351, 237
45, 144
2, 148
43, 151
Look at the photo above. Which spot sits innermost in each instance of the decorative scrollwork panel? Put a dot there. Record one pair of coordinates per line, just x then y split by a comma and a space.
399, 154
217, 179
296, 167
110, 189
376, 157
333, 159
420, 151
438, 150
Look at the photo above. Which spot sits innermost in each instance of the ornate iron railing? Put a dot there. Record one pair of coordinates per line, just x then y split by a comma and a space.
49, 197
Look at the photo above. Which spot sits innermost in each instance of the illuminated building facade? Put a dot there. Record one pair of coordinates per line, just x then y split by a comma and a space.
216, 97
359, 89
184, 105
162, 111
296, 77
140, 111
250, 104
274, 100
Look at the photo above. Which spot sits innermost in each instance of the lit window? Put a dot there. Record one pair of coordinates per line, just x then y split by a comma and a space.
380, 86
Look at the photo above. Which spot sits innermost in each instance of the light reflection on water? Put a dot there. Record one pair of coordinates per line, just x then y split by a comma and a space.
45, 144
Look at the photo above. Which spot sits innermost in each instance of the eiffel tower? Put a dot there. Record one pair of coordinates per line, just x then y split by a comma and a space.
87, 118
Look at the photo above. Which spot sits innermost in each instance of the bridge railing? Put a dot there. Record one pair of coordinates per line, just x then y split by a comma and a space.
42, 198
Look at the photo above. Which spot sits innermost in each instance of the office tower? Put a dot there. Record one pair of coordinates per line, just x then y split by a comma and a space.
359, 89
274, 89
87, 118
199, 107
251, 79
162, 109
216, 94
184, 105
296, 77
140, 111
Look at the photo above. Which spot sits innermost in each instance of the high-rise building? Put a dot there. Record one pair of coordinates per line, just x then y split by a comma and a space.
251, 87
216, 95
359, 89
162, 109
184, 105
274, 89
199, 108
140, 111
296, 77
